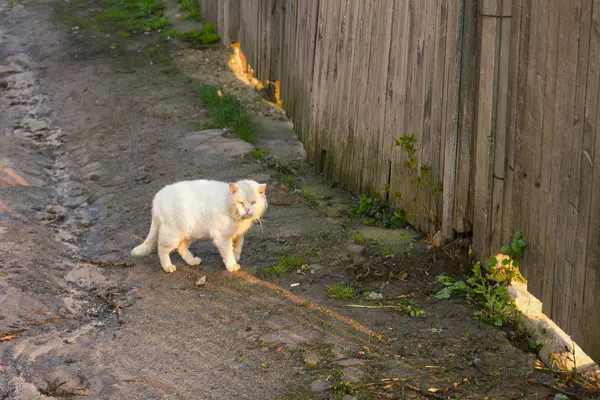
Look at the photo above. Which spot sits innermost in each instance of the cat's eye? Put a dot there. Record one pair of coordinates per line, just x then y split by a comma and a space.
253, 202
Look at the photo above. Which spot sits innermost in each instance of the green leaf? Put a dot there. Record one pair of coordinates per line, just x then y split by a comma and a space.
518, 236
515, 248
505, 249
444, 294
522, 243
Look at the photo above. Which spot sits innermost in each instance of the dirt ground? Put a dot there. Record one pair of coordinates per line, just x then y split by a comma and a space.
89, 133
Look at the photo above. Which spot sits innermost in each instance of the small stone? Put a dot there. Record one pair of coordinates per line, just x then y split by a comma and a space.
312, 359
355, 249
350, 362
74, 202
3, 85
317, 267
69, 340
320, 385
94, 176
201, 281
352, 374
349, 397
140, 178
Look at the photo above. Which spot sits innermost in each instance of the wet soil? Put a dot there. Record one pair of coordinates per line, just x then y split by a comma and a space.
89, 133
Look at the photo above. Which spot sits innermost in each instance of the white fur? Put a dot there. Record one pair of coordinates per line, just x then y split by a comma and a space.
191, 210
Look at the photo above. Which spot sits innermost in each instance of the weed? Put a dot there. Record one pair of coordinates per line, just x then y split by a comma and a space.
192, 10
130, 16
159, 56
357, 238
387, 252
339, 387
421, 180
411, 309
376, 211
311, 251
225, 110
200, 38
324, 323
283, 266
259, 154
487, 288
306, 193
340, 291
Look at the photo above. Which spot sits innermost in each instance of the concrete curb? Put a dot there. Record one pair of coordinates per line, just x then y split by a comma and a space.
557, 350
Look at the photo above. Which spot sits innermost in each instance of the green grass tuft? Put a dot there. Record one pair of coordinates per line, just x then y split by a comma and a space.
225, 110
259, 154
200, 38
132, 15
357, 238
340, 291
283, 266
192, 9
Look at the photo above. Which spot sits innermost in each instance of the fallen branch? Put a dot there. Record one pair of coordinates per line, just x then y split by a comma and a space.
10, 336
388, 381
403, 296
423, 392
373, 307
554, 387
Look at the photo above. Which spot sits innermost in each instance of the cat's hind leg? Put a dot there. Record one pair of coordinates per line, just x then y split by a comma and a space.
186, 254
167, 242
225, 247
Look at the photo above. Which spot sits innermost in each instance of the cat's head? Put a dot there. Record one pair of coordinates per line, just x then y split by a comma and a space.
248, 199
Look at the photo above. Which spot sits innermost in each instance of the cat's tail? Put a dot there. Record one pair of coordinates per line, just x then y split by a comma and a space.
145, 248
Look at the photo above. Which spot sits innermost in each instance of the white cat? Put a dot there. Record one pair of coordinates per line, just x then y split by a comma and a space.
190, 210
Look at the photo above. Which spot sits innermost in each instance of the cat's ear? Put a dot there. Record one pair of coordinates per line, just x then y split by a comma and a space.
233, 188
262, 188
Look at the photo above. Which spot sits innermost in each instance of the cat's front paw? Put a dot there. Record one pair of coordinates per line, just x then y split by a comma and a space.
233, 268
169, 269
237, 257
194, 261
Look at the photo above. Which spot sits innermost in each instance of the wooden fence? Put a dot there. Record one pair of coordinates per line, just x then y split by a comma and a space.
501, 95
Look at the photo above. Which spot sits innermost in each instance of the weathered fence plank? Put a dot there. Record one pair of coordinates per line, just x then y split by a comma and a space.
501, 95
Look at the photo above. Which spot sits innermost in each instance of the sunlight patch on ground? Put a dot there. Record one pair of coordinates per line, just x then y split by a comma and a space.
302, 301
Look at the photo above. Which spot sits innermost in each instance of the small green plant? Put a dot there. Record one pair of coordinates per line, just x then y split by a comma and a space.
324, 323
387, 252
283, 266
421, 180
129, 16
306, 193
200, 38
339, 387
191, 8
376, 211
357, 238
487, 287
225, 110
411, 309
259, 154
340, 291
